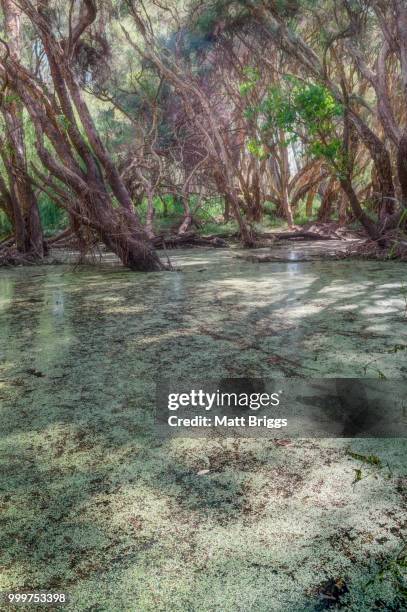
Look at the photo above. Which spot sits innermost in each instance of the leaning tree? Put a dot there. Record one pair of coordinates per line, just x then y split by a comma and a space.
18, 199
76, 168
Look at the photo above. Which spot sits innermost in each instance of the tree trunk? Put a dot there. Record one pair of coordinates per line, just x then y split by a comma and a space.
226, 213
185, 225
342, 206
165, 206
187, 220
285, 179
25, 213
78, 159
120, 231
325, 209
310, 202
150, 215
357, 210
402, 168
288, 213
230, 195
245, 231
382, 163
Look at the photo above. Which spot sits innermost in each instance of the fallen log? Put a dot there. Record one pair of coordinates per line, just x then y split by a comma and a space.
303, 236
189, 239
292, 260
66, 233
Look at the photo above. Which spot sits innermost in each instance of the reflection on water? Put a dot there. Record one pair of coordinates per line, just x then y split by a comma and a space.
217, 314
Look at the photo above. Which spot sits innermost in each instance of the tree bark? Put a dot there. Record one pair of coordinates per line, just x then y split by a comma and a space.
382, 163
310, 202
342, 206
325, 209
226, 211
150, 215
285, 180
25, 213
187, 220
402, 168
368, 224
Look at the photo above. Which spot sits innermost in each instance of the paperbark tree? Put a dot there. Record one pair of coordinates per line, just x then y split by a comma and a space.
79, 172
314, 63
201, 116
19, 197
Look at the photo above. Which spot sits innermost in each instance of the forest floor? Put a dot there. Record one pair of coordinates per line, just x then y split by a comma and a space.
96, 504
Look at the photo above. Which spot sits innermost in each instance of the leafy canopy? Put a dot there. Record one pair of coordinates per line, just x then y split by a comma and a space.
307, 112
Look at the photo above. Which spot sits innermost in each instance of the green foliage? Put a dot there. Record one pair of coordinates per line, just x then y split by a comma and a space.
10, 98
331, 151
169, 212
5, 225
311, 106
251, 77
300, 214
52, 218
395, 571
358, 475
278, 110
306, 112
315, 105
63, 122
257, 149
207, 20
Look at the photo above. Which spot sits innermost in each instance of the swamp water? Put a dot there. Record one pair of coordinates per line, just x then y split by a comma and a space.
94, 504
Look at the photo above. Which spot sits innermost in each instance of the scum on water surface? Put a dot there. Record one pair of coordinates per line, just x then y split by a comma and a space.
93, 503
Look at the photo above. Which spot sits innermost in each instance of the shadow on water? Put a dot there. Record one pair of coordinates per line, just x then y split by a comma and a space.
82, 468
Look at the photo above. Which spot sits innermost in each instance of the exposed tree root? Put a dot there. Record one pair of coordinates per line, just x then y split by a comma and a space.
62, 237
7, 241
9, 256
395, 247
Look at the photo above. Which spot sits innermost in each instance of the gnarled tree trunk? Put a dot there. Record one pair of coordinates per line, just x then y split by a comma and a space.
92, 190
369, 225
24, 207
